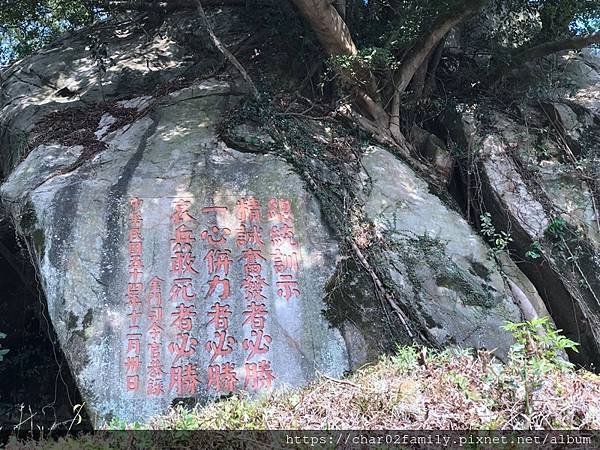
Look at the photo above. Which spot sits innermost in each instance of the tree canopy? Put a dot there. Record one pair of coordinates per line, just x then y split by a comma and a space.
26, 25
386, 53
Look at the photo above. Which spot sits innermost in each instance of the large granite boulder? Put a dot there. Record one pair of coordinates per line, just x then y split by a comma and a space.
442, 268
175, 266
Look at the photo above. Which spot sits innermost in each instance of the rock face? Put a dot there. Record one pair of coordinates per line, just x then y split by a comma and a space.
439, 264
176, 266
544, 191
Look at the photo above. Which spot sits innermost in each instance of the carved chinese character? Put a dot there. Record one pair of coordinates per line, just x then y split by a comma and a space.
222, 377
285, 209
134, 315
184, 379
155, 293
182, 288
155, 330
219, 315
251, 256
248, 210
221, 346
182, 262
185, 348
218, 260
133, 343
253, 287
281, 235
215, 282
181, 212
183, 240
135, 248
288, 287
215, 235
284, 261
155, 369
135, 267
255, 316
132, 364
183, 317
136, 203
280, 210
248, 236
155, 387
155, 348
273, 210
132, 382
134, 289
155, 314
258, 375
256, 345
135, 235
135, 220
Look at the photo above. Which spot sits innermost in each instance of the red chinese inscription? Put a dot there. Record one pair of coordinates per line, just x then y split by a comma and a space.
225, 254
249, 240
284, 249
135, 288
183, 375
258, 375
155, 372
222, 377
184, 379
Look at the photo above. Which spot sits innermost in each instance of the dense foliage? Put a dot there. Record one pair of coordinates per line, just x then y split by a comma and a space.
384, 28
26, 25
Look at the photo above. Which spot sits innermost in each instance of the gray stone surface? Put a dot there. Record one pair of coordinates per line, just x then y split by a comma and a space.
528, 183
82, 221
438, 261
583, 71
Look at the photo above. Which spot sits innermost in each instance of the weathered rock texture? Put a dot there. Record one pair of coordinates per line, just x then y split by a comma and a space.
96, 156
538, 176
82, 221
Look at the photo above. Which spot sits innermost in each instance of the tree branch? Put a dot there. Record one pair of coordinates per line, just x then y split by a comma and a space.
547, 48
422, 49
165, 5
230, 57
433, 64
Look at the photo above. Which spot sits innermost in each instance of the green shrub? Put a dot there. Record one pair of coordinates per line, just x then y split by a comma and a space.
405, 358
539, 340
557, 228
538, 351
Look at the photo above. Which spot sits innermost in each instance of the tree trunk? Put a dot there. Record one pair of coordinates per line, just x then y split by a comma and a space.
547, 48
418, 82
328, 25
431, 80
422, 49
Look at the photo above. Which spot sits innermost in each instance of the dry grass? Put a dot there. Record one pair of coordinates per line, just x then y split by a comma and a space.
444, 391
